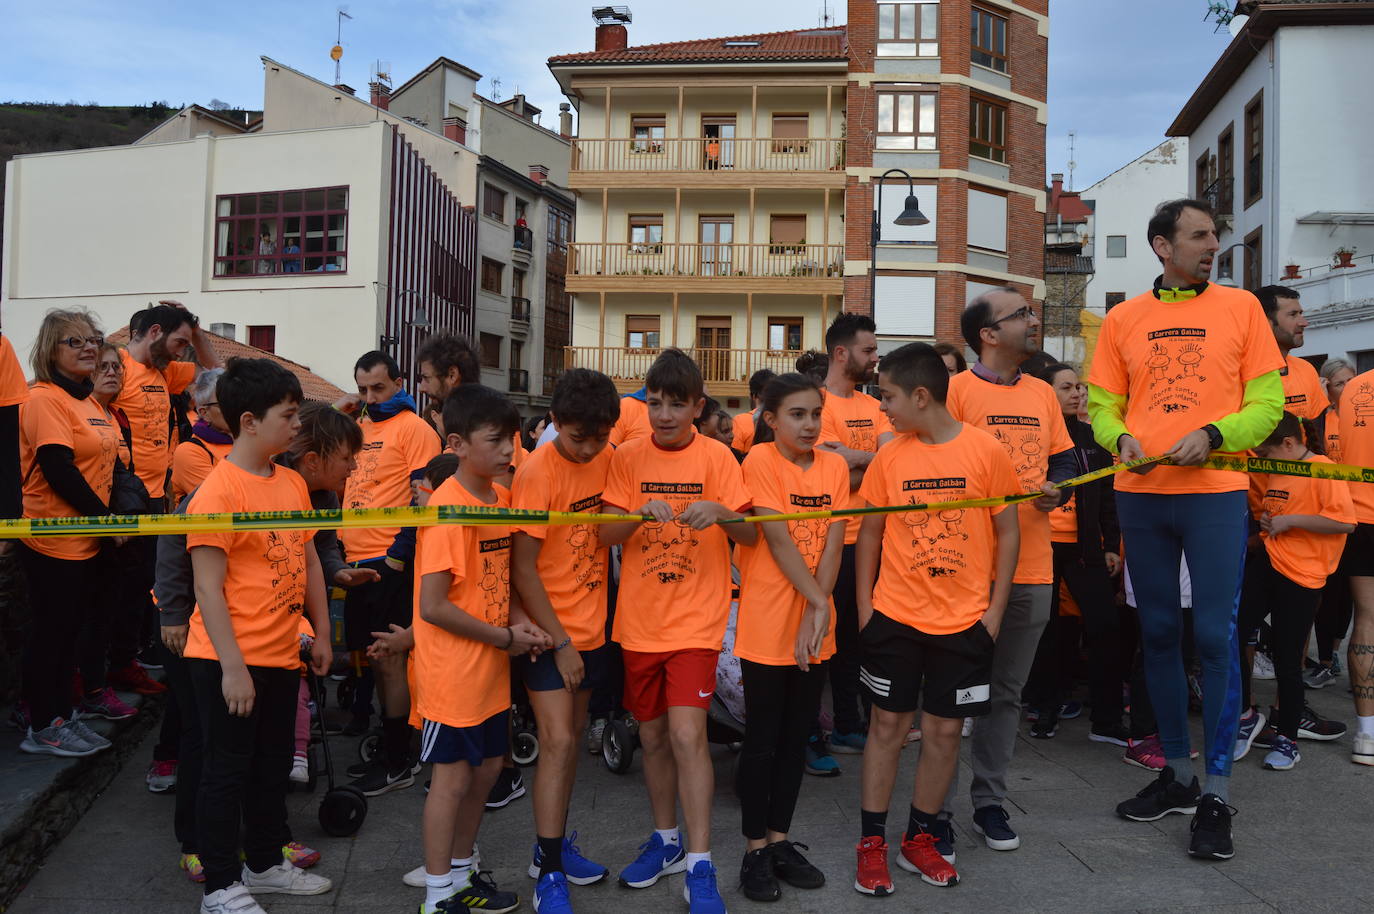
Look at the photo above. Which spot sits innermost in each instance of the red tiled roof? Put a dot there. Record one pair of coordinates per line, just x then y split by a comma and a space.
796, 44
313, 387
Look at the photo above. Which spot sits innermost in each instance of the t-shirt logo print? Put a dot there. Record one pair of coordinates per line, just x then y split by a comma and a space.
1363, 403
287, 558
809, 535
583, 542
495, 582
1175, 363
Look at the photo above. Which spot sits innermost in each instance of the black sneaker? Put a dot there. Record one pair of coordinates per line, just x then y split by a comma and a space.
1045, 726
1212, 829
380, 781
480, 895
943, 830
1115, 734
1312, 725
508, 787
792, 868
1160, 797
993, 823
362, 769
756, 879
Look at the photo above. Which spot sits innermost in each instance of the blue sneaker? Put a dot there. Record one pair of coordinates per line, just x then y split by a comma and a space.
943, 832
848, 743
1251, 723
1283, 754
551, 895
578, 869
819, 761
699, 890
655, 859
1070, 709
992, 823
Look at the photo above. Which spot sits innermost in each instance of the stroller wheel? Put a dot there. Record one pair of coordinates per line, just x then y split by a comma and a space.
524, 748
617, 747
369, 745
342, 811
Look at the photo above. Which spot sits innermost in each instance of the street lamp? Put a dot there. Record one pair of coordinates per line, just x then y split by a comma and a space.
911, 215
1225, 269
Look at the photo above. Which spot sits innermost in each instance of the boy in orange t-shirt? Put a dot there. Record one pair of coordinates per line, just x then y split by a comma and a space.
671, 611
243, 646
466, 628
928, 626
561, 574
633, 421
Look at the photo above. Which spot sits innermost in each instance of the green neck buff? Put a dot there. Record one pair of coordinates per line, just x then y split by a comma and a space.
1177, 294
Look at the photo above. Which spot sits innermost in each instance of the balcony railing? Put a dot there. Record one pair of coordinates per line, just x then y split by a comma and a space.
519, 381
716, 260
520, 309
708, 154
737, 365
523, 240
1221, 194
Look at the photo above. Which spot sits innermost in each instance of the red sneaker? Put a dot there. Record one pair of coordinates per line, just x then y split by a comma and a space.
133, 678
873, 877
920, 856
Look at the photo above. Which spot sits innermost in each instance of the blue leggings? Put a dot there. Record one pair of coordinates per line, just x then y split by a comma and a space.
1210, 530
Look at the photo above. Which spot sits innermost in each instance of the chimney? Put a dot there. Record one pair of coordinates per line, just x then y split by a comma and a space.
611, 34
225, 330
342, 87
456, 129
565, 120
381, 94
539, 173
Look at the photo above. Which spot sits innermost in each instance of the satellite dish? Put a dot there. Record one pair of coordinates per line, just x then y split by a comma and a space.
336, 52
1236, 24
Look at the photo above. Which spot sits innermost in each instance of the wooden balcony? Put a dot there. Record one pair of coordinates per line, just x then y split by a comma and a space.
726, 371
674, 266
705, 161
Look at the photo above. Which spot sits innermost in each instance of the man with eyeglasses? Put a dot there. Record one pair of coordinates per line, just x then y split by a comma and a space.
1022, 412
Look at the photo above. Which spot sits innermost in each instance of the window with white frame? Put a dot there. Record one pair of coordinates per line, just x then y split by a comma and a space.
1116, 245
906, 119
908, 29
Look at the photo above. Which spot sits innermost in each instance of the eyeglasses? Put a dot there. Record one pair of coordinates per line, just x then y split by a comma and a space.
80, 342
110, 367
1024, 313
210, 404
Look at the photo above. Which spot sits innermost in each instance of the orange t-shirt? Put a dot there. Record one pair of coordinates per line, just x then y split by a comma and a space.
937, 566
633, 422
572, 562
1332, 436
461, 682
1357, 439
265, 578
744, 425
53, 416
856, 421
1304, 557
770, 608
1182, 365
1063, 523
1303, 395
146, 400
191, 463
13, 389
393, 450
674, 581
1025, 417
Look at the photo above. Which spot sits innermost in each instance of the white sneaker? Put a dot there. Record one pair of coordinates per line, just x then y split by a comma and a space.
300, 770
416, 877
1263, 667
232, 900
1363, 751
79, 727
286, 880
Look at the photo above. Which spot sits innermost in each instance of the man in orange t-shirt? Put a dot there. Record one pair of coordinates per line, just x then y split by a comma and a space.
1023, 414
853, 426
745, 423
1303, 393
1183, 370
672, 608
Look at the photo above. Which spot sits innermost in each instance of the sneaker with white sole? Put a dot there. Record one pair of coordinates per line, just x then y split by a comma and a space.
78, 726
993, 823
285, 879
1251, 724
1283, 754
1318, 678
1263, 667
57, 739
1362, 753
1312, 725
416, 877
161, 776
234, 899
594, 735
300, 770
105, 705
577, 868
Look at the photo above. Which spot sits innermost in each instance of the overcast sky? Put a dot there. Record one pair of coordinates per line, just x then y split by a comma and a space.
1119, 72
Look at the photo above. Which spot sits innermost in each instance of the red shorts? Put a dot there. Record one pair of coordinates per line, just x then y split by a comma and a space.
655, 682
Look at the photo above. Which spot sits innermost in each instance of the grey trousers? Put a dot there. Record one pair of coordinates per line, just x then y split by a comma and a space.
994, 736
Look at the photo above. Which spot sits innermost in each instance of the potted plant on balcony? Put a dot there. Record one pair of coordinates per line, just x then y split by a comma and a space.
1342, 256
1291, 271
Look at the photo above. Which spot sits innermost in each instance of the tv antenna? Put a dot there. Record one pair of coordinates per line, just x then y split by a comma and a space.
496, 88
336, 52
1072, 164
826, 18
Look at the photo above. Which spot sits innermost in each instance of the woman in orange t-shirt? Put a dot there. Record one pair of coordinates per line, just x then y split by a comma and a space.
1333, 616
194, 458
67, 454
785, 632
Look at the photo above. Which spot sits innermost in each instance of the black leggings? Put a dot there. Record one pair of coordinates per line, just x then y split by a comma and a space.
779, 708
1290, 608
848, 703
1333, 616
62, 594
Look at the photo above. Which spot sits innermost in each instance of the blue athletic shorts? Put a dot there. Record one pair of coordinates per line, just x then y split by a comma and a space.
443, 744
542, 674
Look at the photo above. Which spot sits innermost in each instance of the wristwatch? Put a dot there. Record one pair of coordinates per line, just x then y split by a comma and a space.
1213, 437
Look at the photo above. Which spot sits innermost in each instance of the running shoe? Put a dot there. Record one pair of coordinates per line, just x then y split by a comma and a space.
1115, 734
284, 879
58, 738
481, 894
134, 678
1160, 797
594, 735
105, 705
1070, 709
1283, 754
1336, 663
913, 735
19, 717
299, 855
819, 761
79, 726
655, 861
943, 830
300, 770
1318, 677
993, 823
233, 899
1263, 667
161, 776
1312, 725
578, 869
700, 892
1362, 753
919, 855
792, 868
191, 866
1145, 753
848, 743
1046, 726
1251, 723
551, 894
1212, 829
416, 877
757, 882
872, 876
508, 788
379, 781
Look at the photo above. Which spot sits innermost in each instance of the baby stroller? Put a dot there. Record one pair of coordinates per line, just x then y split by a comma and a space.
343, 807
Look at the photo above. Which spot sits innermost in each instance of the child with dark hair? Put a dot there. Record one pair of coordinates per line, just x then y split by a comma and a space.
744, 422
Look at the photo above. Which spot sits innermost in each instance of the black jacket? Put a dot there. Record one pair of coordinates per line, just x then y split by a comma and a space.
1095, 502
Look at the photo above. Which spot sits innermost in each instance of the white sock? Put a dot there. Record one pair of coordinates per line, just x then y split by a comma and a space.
669, 835
1366, 724
462, 872
437, 888
694, 859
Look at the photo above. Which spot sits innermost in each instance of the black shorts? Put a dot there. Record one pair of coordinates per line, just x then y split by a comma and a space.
1357, 561
944, 675
371, 607
444, 745
541, 674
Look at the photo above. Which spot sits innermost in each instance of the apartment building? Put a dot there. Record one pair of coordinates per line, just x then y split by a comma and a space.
709, 176
952, 94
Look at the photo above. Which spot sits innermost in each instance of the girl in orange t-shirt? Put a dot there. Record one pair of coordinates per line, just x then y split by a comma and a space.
786, 624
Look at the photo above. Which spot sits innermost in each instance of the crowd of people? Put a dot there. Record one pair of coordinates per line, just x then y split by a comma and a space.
974, 617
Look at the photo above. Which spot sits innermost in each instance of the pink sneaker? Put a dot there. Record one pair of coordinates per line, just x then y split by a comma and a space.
300, 856
190, 864
161, 776
1145, 753
106, 704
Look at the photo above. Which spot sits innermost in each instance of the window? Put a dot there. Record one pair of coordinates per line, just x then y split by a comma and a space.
289, 231
489, 350
1226, 266
517, 353
786, 234
646, 234
517, 283
494, 202
785, 334
987, 220
988, 40
560, 231
1254, 260
647, 133
906, 120
492, 278
521, 209
641, 331
1223, 199
1202, 173
1114, 299
263, 337
908, 29
1116, 245
790, 132
1254, 149
987, 130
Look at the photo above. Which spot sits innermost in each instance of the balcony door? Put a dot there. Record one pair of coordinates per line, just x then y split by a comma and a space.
713, 347
716, 235
718, 143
